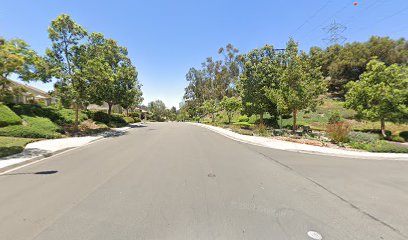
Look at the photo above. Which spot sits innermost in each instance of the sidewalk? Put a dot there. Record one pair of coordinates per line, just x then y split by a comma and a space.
297, 147
45, 148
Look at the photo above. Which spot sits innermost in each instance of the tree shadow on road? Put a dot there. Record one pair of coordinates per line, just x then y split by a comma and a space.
49, 172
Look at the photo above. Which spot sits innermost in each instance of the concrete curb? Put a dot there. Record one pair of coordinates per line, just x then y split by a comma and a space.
41, 156
303, 148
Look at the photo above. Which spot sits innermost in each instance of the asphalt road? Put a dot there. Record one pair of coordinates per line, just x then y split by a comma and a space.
178, 181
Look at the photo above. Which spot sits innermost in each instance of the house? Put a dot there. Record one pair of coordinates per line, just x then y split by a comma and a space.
104, 107
31, 94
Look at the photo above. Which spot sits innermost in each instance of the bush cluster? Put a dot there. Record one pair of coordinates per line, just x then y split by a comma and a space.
243, 118
243, 125
380, 146
362, 137
8, 117
115, 120
404, 135
33, 127
334, 117
338, 132
396, 138
60, 116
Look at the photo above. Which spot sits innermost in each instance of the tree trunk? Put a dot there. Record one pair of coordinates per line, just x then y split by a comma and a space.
261, 118
229, 119
383, 128
213, 117
294, 120
110, 108
127, 112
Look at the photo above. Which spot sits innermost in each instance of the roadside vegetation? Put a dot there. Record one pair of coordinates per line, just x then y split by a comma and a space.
353, 96
13, 145
88, 68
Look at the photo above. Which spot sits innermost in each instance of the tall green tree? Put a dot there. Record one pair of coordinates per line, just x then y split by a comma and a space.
230, 105
210, 107
300, 85
157, 109
16, 58
260, 71
342, 64
213, 81
65, 56
111, 74
381, 94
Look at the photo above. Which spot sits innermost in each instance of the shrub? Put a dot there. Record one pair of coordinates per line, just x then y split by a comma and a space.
261, 130
11, 145
396, 138
67, 116
60, 116
117, 121
91, 127
334, 117
129, 120
100, 116
338, 132
8, 117
404, 135
35, 110
279, 132
243, 118
381, 146
363, 137
35, 127
134, 114
136, 119
244, 125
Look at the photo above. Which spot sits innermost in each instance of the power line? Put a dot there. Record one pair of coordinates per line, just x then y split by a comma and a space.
384, 18
312, 16
331, 17
320, 26
374, 4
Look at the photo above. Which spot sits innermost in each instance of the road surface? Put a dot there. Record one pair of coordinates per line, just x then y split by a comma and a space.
179, 181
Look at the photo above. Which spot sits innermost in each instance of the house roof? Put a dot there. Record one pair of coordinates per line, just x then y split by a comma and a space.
31, 89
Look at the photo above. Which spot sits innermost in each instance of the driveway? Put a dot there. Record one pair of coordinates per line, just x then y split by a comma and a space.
180, 181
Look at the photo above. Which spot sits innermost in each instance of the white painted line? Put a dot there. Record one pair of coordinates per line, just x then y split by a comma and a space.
314, 235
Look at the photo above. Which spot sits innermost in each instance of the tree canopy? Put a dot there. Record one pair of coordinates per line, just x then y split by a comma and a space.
381, 93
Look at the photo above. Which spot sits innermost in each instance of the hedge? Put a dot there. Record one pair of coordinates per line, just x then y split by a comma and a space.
8, 117
33, 127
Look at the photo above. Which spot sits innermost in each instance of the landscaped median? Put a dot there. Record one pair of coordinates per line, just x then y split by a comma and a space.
298, 147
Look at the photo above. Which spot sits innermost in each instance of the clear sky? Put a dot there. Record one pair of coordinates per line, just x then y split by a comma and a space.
166, 38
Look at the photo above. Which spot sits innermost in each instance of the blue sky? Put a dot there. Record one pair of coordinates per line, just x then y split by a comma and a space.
166, 38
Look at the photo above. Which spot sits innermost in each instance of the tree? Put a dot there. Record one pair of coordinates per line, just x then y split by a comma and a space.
210, 107
132, 98
230, 105
381, 93
112, 77
215, 79
66, 58
342, 64
16, 57
157, 109
260, 71
300, 83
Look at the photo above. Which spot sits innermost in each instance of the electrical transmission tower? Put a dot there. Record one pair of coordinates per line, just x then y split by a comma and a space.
335, 30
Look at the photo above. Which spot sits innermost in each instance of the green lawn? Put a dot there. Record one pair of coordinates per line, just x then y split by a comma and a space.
13, 145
